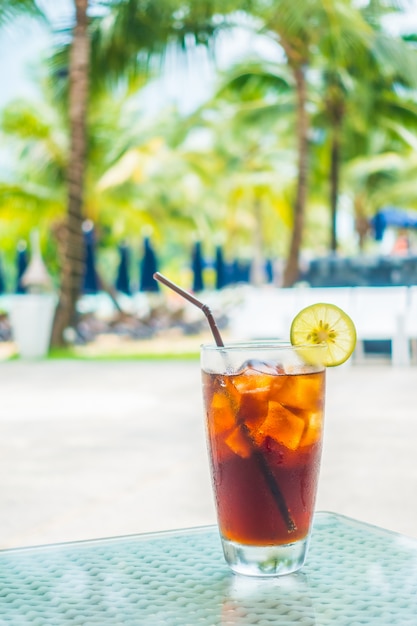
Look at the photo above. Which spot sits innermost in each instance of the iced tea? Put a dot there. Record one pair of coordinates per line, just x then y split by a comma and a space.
264, 427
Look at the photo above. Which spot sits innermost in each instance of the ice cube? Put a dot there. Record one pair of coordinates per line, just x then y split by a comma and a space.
222, 414
254, 387
254, 390
252, 382
239, 442
263, 367
303, 392
282, 425
313, 431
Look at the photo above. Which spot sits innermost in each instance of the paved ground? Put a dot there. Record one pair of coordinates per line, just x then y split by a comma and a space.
93, 449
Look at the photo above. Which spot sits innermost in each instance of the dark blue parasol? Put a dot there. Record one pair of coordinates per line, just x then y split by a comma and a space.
269, 271
148, 266
220, 269
392, 216
197, 266
2, 279
21, 264
90, 283
123, 271
241, 271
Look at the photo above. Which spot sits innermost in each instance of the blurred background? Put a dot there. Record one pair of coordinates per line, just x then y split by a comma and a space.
222, 143
247, 149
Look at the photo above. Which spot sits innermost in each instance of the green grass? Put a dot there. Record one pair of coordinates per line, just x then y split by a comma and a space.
70, 354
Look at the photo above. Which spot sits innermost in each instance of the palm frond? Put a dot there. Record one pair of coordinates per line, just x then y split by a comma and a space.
11, 9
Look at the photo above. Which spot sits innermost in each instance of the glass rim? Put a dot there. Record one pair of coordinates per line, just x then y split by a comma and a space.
260, 344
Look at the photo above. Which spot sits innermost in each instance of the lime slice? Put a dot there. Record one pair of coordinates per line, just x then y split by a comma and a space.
326, 325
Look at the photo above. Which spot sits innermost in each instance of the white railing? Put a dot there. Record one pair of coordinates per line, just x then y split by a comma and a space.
379, 313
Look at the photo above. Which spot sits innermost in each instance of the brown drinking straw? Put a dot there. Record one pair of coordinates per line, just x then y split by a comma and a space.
262, 463
188, 296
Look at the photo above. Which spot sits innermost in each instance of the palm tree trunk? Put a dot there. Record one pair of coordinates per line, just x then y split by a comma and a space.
258, 277
73, 248
334, 188
361, 221
291, 271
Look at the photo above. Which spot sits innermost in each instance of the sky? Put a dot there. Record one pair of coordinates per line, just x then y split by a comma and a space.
22, 48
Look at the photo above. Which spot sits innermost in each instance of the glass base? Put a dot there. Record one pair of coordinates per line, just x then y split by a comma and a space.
265, 560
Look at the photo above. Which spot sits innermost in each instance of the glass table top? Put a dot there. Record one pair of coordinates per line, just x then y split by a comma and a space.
355, 574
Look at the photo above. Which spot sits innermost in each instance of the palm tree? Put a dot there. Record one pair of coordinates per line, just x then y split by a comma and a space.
302, 28
322, 43
384, 171
251, 122
137, 174
123, 43
354, 85
253, 175
73, 259
34, 188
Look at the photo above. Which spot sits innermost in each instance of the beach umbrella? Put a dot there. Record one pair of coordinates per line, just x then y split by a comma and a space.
241, 271
197, 266
2, 279
392, 216
148, 266
269, 271
21, 265
220, 269
90, 283
123, 278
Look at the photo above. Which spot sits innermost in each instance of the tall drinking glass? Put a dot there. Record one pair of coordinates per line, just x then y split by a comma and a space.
264, 409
